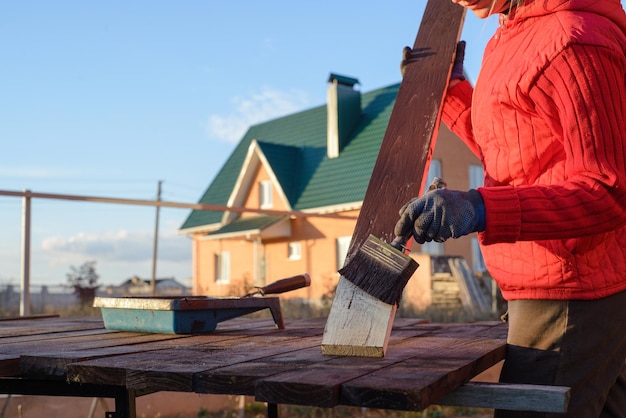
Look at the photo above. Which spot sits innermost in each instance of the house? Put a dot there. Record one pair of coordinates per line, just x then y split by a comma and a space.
136, 286
305, 175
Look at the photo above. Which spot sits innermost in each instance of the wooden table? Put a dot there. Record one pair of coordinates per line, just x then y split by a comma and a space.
426, 363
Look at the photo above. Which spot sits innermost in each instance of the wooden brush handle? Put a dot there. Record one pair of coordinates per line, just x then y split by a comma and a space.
288, 284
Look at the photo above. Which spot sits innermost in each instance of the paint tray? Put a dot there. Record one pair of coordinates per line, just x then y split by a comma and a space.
180, 315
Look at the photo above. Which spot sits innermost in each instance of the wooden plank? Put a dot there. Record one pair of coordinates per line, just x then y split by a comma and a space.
176, 368
241, 378
438, 358
513, 397
252, 357
42, 338
9, 365
437, 368
357, 324
22, 318
47, 326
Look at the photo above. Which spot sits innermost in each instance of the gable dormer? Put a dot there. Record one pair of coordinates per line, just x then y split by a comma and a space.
344, 112
266, 179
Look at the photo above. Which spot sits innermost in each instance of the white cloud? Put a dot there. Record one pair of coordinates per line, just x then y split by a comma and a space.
259, 107
119, 246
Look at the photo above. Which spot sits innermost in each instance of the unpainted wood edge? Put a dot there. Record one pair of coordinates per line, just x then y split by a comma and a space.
352, 350
515, 397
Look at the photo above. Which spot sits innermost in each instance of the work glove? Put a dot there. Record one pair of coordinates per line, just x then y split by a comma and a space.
440, 214
457, 67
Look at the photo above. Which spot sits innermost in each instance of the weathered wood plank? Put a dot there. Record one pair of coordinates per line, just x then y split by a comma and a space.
438, 355
9, 365
240, 378
176, 368
21, 339
439, 366
357, 325
22, 318
47, 326
537, 398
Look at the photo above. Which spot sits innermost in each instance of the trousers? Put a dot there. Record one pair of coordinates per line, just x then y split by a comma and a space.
578, 343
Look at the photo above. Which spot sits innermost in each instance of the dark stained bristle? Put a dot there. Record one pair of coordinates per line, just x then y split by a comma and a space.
380, 270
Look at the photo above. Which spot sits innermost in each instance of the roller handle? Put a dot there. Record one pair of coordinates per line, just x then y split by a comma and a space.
284, 285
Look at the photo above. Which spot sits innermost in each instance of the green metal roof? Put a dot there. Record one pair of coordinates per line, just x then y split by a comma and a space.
252, 223
295, 147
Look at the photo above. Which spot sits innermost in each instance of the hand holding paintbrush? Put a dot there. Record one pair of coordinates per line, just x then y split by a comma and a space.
440, 214
382, 269
401, 231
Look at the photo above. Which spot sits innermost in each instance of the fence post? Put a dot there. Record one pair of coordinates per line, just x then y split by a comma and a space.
25, 287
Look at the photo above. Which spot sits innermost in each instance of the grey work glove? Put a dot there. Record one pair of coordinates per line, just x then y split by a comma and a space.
457, 67
441, 214
406, 57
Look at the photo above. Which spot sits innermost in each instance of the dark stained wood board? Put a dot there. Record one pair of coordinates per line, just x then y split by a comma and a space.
415, 384
175, 369
268, 354
411, 133
359, 323
40, 363
47, 326
196, 365
325, 383
53, 357
9, 365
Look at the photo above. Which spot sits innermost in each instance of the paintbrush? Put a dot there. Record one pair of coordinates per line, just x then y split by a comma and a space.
380, 269
383, 269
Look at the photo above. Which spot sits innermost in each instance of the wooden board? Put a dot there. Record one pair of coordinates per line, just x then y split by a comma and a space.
512, 397
362, 328
251, 357
417, 361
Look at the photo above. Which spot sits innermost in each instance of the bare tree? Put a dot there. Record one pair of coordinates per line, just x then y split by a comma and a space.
84, 280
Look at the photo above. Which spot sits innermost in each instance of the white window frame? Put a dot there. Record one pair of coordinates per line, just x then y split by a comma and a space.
476, 179
266, 200
222, 267
434, 170
342, 244
294, 250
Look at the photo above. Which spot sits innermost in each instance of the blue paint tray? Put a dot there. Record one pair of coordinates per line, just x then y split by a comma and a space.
180, 315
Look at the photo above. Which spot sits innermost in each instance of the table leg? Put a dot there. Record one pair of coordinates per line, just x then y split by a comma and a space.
272, 410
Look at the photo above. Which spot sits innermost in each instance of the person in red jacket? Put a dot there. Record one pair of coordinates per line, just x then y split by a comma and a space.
547, 118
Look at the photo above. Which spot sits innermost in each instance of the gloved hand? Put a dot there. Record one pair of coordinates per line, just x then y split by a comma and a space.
457, 67
441, 214
406, 56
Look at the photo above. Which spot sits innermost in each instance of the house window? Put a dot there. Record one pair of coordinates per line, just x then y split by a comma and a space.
343, 243
294, 251
265, 194
222, 267
434, 170
476, 179
476, 176
478, 262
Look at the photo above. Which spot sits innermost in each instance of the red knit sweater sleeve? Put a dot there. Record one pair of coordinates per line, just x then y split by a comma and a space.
581, 94
457, 114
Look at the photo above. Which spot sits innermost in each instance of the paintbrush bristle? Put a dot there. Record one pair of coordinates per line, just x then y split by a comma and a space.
380, 270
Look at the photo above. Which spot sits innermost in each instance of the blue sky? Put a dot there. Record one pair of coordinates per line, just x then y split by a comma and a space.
108, 98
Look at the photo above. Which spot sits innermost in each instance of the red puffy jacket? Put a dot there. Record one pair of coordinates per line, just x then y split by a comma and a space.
547, 117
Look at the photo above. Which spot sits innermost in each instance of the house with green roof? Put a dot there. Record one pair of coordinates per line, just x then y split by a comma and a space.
292, 189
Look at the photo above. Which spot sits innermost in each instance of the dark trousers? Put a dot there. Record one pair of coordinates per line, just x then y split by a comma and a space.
580, 344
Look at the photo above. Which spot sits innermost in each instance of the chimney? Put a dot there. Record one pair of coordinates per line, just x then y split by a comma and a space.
344, 112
